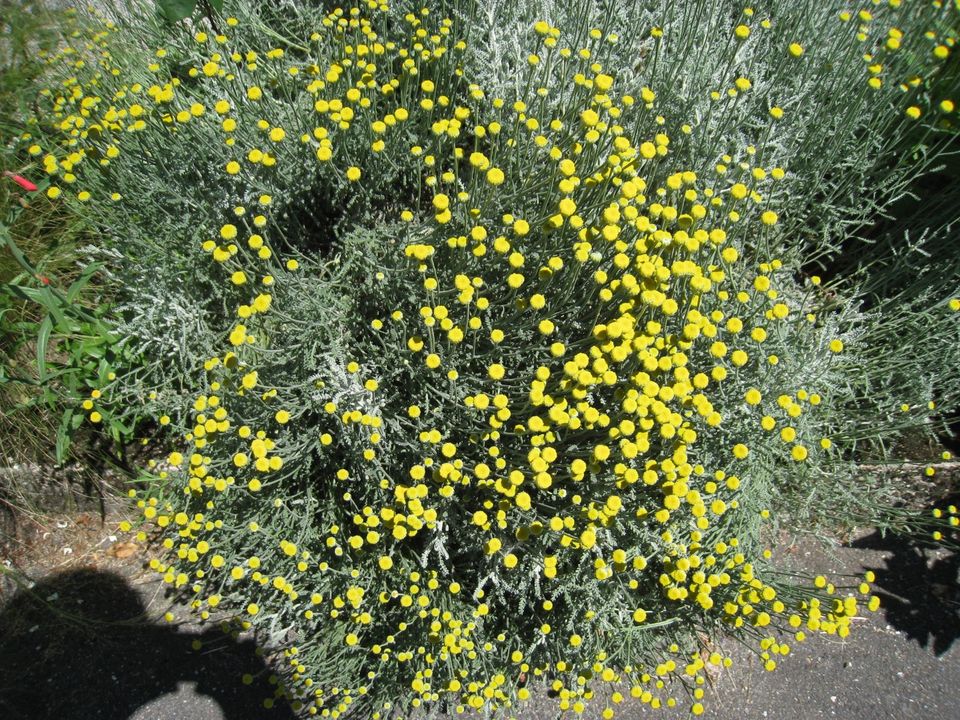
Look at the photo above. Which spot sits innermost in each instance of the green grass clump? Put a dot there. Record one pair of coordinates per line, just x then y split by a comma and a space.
40, 251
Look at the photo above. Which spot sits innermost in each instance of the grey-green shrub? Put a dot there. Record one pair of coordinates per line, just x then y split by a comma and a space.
552, 362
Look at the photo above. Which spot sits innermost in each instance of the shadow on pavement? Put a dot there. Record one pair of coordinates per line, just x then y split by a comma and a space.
918, 589
77, 646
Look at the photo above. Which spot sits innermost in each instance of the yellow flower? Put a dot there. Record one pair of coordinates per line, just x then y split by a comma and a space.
228, 231
603, 82
496, 371
353, 173
261, 303
238, 335
796, 49
495, 176
479, 160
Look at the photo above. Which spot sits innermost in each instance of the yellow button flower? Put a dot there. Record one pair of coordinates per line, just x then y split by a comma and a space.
495, 176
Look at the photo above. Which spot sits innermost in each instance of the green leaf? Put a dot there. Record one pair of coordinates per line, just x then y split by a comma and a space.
82, 281
175, 10
63, 434
43, 297
92, 350
43, 337
25, 293
217, 5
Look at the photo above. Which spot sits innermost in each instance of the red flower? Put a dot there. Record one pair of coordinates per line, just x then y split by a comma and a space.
21, 181
43, 279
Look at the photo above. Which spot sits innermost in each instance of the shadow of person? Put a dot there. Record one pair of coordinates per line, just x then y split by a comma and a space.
77, 646
918, 589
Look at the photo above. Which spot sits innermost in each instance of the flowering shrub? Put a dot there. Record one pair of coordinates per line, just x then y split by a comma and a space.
476, 386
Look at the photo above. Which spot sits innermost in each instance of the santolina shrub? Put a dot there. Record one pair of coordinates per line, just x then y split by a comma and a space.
475, 387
